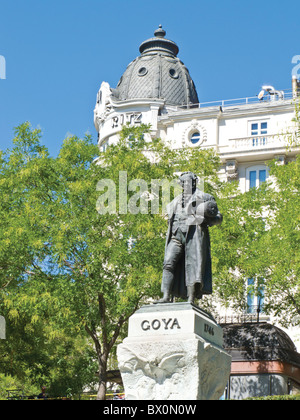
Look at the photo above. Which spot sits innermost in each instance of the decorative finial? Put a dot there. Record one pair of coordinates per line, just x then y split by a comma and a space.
160, 33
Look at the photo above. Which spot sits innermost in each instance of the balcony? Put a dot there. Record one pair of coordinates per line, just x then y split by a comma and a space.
266, 146
258, 142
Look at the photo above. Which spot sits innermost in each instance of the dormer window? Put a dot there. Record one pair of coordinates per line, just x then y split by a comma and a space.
142, 71
173, 73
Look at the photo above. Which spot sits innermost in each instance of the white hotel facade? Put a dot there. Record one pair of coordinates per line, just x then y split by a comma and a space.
157, 89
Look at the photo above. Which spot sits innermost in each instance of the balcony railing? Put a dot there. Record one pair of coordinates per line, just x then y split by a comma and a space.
258, 142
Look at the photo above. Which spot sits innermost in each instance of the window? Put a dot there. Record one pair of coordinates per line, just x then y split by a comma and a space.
142, 71
195, 137
254, 129
255, 296
255, 176
259, 129
173, 73
250, 296
264, 128
132, 141
104, 146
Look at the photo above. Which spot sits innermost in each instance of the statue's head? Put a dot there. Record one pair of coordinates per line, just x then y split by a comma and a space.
188, 181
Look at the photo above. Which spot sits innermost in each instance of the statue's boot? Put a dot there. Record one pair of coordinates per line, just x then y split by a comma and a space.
191, 294
167, 284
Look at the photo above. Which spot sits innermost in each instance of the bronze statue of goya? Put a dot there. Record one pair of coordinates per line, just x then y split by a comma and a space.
187, 270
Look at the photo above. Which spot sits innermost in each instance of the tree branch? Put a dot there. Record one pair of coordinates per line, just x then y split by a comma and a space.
5, 285
119, 326
102, 312
97, 343
294, 302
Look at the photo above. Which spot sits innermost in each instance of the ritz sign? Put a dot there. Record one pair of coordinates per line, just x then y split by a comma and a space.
130, 117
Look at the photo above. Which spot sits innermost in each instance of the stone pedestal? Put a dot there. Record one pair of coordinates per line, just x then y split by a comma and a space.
2, 328
173, 352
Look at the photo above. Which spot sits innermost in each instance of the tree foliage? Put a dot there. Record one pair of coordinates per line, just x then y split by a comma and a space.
282, 243
62, 262
71, 275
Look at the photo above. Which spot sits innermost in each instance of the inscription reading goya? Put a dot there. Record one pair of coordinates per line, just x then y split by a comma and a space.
156, 324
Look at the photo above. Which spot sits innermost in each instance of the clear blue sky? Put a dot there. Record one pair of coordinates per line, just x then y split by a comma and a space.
58, 53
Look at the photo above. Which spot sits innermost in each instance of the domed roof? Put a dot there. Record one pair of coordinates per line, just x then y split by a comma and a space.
260, 341
157, 74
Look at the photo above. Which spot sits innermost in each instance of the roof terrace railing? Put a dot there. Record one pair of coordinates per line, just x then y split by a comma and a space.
251, 314
284, 95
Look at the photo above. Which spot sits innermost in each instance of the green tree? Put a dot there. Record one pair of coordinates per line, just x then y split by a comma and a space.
282, 242
11, 387
37, 353
66, 261
75, 262
238, 245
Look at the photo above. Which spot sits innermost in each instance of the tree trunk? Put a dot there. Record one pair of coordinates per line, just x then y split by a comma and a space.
102, 363
101, 395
